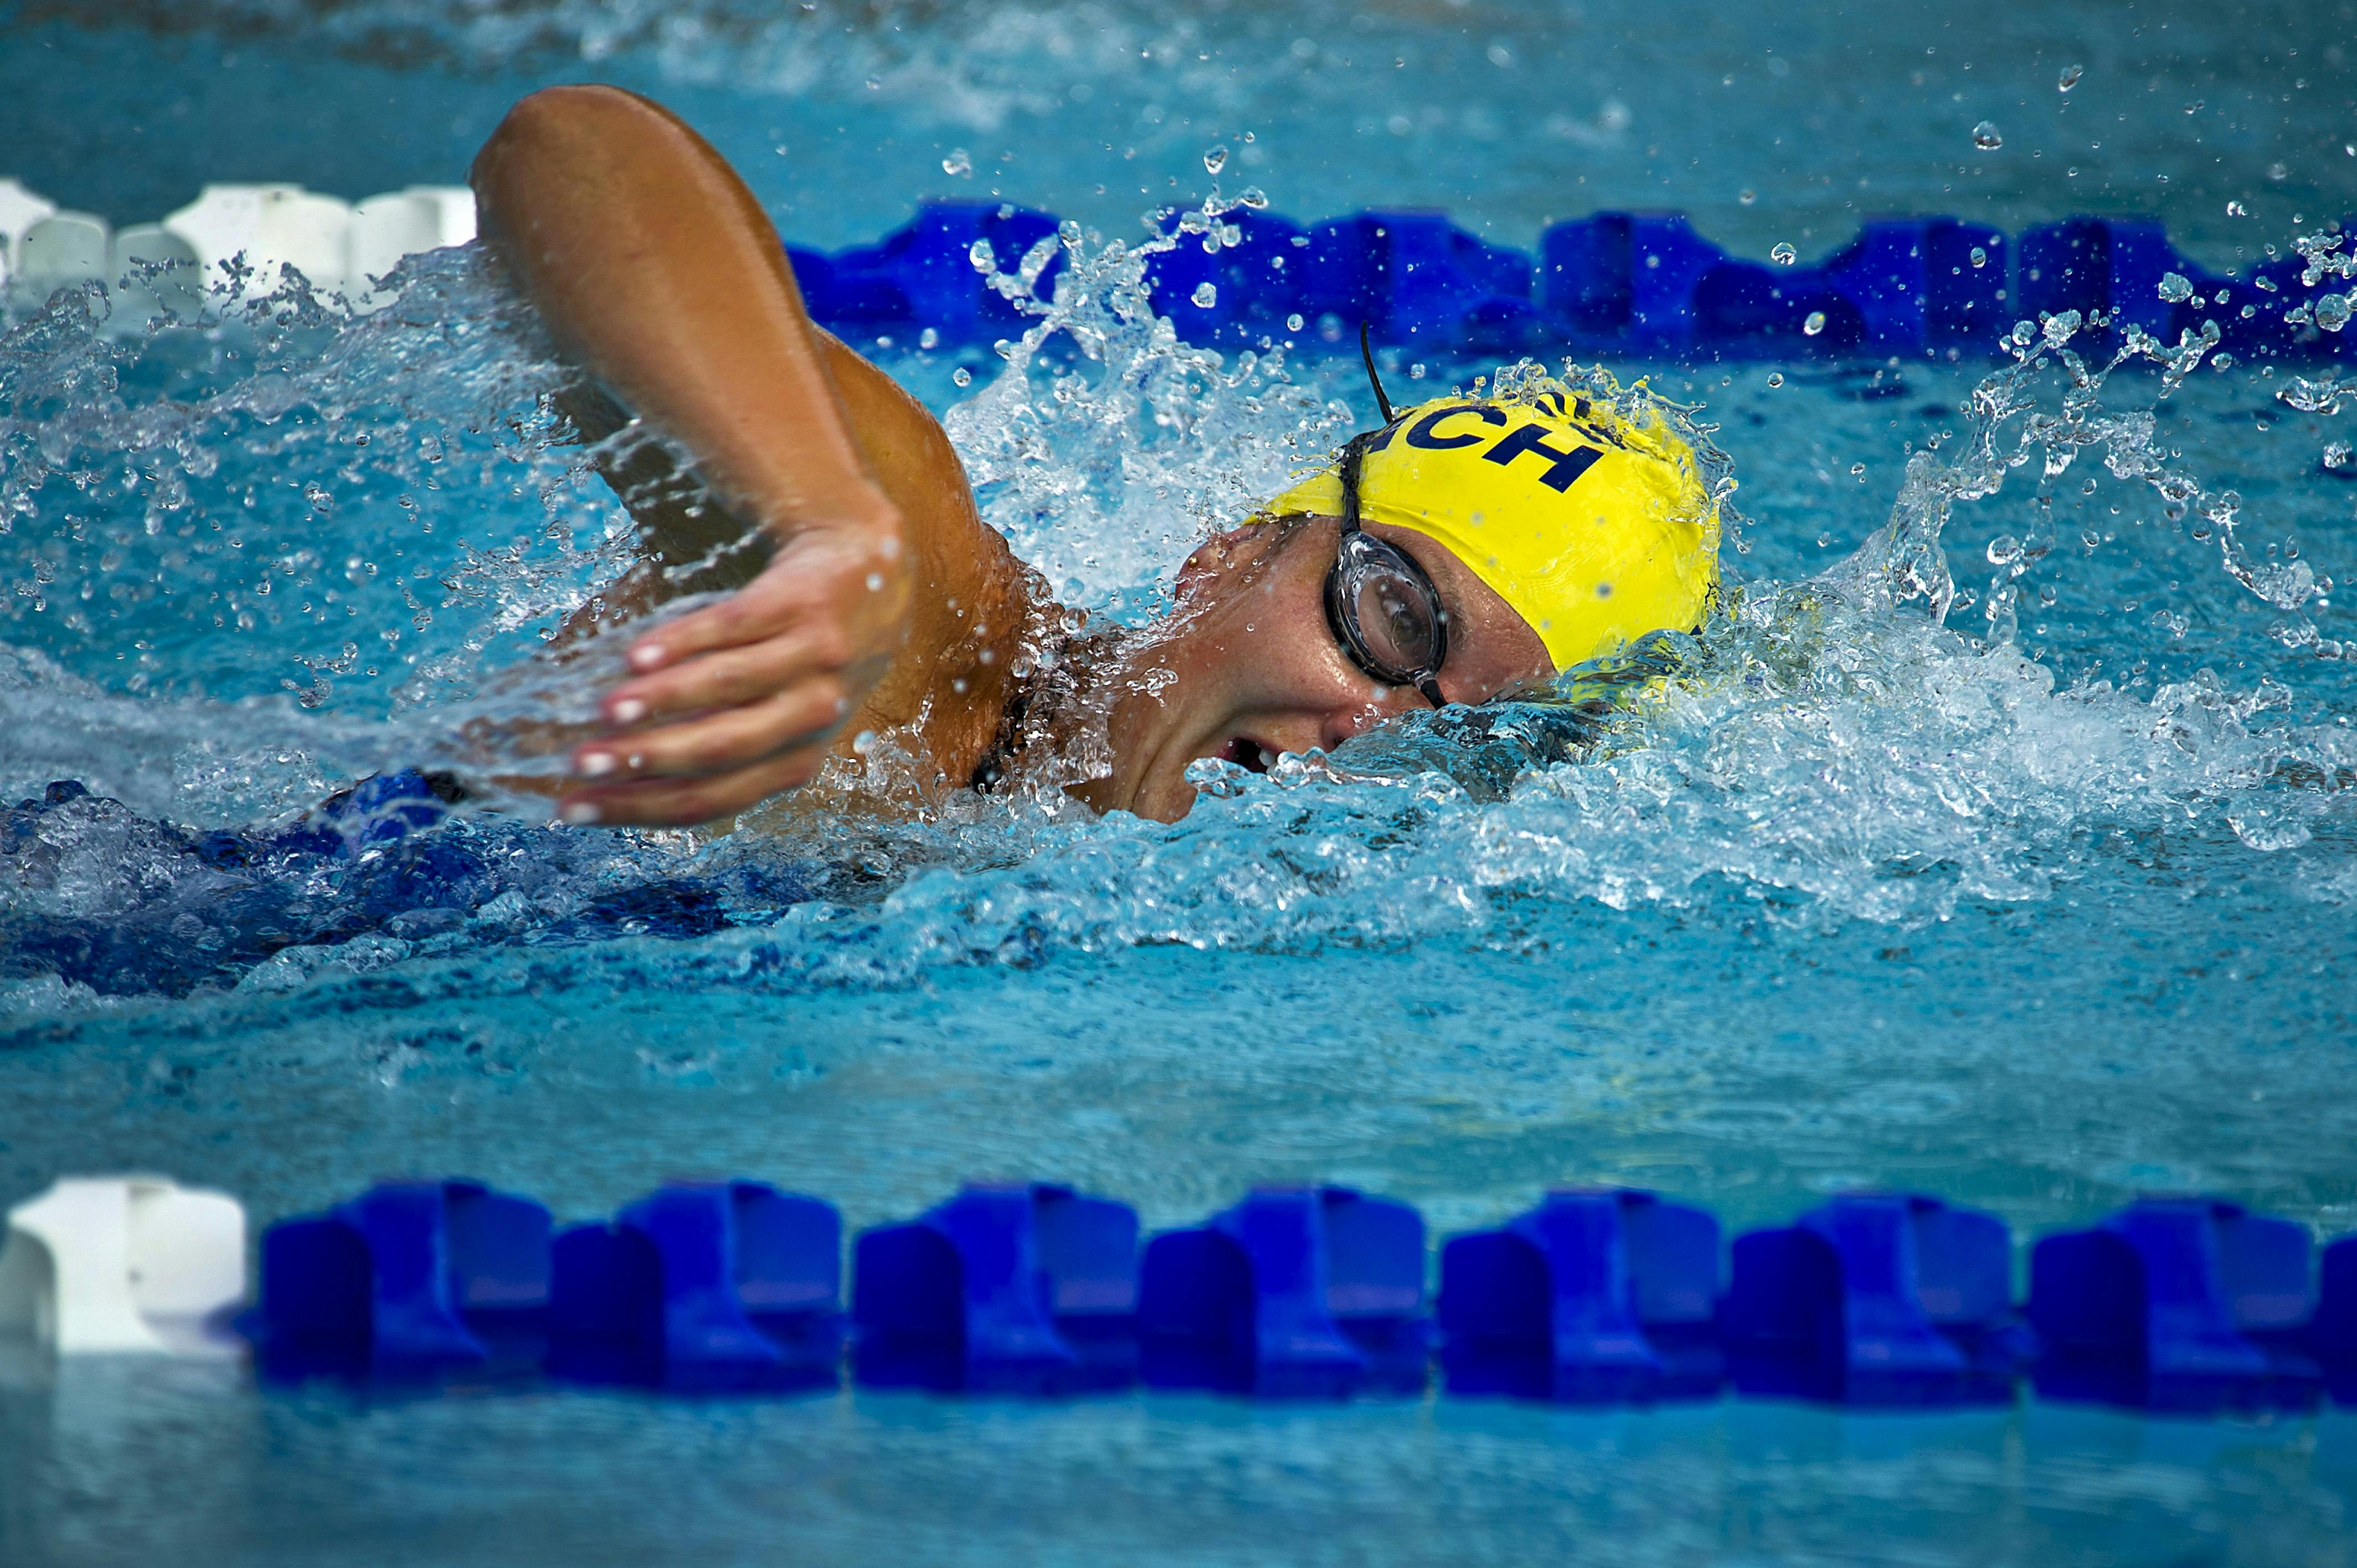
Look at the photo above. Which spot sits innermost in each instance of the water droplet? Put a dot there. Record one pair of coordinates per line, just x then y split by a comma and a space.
985, 260
2174, 287
929, 338
2004, 549
962, 376
2279, 173
2069, 78
1815, 324
1858, 472
1783, 255
1747, 197
1292, 322
959, 164
1980, 257
1216, 159
2236, 210
1986, 137
1775, 378
2332, 311
1206, 294
2336, 455
1253, 198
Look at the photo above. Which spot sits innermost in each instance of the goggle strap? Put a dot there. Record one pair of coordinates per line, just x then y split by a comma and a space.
1354, 452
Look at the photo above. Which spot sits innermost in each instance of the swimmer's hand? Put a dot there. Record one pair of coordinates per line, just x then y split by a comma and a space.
740, 701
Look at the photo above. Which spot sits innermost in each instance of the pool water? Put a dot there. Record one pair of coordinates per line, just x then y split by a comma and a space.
2037, 906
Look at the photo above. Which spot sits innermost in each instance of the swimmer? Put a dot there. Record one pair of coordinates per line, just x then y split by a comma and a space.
1465, 550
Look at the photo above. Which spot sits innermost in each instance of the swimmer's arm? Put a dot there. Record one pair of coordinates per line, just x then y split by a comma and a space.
656, 272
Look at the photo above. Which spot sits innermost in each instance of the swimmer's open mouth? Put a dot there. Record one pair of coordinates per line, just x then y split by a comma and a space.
1247, 752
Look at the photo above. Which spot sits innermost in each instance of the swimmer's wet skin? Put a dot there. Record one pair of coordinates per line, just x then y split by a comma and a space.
1466, 549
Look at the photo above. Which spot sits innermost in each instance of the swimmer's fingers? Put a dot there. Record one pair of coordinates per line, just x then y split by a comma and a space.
723, 678
712, 745
845, 588
680, 802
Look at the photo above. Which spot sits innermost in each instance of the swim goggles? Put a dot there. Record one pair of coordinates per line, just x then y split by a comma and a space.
1381, 606
1383, 609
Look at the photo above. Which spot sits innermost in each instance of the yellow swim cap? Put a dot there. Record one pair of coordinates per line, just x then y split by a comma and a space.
1595, 529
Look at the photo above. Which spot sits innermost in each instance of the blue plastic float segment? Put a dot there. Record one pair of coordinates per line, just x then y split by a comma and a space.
409, 1279
1625, 276
2183, 1303
923, 274
1257, 283
2332, 1332
1416, 278
702, 1286
1022, 1289
1881, 1299
2111, 265
1315, 1292
1592, 1297
1612, 281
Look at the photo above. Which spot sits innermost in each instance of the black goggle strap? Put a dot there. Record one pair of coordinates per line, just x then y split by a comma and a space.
1354, 452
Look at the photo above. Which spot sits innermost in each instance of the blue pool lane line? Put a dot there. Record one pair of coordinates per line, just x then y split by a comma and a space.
1872, 1300
1627, 283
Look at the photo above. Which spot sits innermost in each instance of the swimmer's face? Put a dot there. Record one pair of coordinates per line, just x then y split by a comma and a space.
1258, 674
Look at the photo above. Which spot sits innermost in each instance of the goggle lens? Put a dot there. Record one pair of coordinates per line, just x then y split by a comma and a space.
1386, 613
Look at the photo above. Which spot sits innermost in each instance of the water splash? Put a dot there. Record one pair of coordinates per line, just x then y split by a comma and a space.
1829, 748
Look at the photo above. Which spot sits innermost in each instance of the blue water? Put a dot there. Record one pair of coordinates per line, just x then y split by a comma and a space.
2037, 911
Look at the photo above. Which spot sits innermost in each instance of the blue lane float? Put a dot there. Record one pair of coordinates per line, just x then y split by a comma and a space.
1595, 1296
1632, 283
408, 1279
1011, 1289
1293, 1293
1876, 1300
2186, 1305
701, 1286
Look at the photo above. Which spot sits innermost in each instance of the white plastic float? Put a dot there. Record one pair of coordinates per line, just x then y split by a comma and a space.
114, 1264
339, 246
19, 211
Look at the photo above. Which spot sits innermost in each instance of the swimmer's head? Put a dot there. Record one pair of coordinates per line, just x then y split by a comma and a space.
1548, 529
1597, 528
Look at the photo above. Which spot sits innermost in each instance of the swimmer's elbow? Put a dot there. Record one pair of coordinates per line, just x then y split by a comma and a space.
557, 131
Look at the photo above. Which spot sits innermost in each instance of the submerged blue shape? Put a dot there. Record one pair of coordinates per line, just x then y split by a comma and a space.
1024, 1288
1416, 278
1883, 1299
1625, 276
2332, 1332
1257, 283
2112, 264
410, 1279
1595, 1296
923, 274
702, 1286
1627, 282
2176, 1304
1315, 1292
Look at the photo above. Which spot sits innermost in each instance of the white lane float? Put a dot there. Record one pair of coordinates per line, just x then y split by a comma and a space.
340, 247
124, 1265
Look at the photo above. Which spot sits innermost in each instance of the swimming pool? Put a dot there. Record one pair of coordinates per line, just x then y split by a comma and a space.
2037, 927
